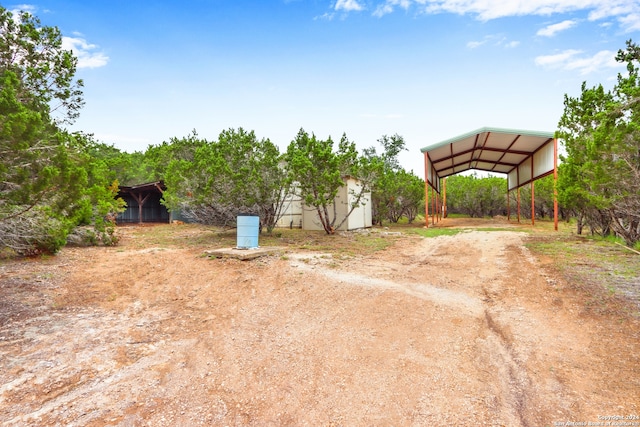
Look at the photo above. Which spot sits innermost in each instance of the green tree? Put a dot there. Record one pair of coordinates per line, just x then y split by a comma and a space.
157, 158
600, 131
239, 173
47, 72
543, 193
391, 186
410, 195
48, 183
92, 201
475, 196
318, 171
577, 127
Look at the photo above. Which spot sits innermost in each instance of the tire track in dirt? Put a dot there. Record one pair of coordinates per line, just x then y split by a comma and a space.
480, 258
425, 291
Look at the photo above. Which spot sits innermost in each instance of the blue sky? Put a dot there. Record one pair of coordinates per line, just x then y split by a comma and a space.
428, 70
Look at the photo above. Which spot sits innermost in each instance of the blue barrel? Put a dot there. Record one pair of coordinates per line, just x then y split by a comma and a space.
248, 230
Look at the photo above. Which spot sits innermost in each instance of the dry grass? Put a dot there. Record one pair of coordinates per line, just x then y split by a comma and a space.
606, 272
206, 237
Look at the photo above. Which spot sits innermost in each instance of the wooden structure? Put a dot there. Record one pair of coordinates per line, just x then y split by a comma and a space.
143, 203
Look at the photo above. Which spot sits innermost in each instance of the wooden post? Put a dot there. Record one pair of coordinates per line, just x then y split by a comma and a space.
508, 204
141, 200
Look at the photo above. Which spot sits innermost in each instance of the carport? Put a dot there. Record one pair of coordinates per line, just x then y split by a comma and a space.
524, 156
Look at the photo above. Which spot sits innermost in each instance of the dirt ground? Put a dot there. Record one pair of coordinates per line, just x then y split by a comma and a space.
469, 329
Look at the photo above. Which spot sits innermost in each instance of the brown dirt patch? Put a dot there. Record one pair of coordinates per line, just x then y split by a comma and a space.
469, 329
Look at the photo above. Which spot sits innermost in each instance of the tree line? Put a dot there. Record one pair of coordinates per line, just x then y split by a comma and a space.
54, 182
213, 181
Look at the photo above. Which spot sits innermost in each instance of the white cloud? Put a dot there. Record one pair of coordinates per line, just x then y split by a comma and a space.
558, 58
626, 12
83, 51
630, 22
602, 59
326, 16
24, 8
553, 29
492, 9
389, 6
570, 60
493, 40
475, 44
383, 9
348, 5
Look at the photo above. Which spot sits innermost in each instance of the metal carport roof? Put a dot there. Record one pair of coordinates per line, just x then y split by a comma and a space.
487, 149
523, 155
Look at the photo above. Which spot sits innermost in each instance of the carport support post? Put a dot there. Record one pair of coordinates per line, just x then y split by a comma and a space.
433, 208
444, 199
555, 183
533, 204
518, 204
426, 204
426, 190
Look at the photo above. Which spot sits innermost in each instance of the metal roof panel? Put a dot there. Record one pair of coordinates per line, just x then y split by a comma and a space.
488, 148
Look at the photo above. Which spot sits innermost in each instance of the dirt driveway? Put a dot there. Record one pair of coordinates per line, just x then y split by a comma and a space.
455, 330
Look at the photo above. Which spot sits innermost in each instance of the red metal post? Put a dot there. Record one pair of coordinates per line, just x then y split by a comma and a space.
444, 202
433, 208
555, 184
533, 204
518, 197
426, 190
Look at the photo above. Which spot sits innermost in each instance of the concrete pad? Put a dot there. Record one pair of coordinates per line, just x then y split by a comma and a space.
243, 254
